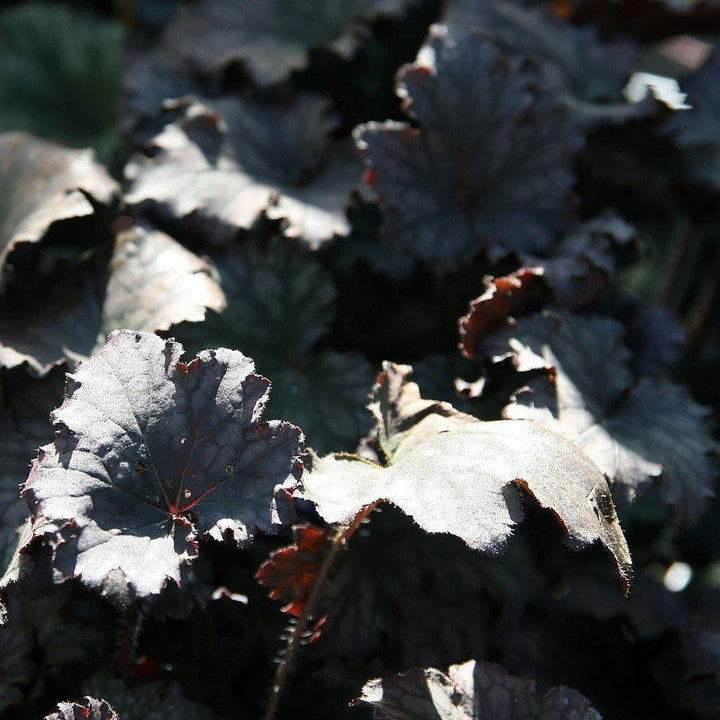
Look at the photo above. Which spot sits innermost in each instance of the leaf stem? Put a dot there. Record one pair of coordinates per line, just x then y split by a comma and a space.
132, 623
285, 665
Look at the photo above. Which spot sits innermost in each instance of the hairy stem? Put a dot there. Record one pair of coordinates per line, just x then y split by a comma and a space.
284, 667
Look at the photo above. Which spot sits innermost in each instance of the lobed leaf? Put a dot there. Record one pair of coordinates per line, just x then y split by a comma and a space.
60, 74
579, 268
491, 162
90, 709
428, 446
503, 298
43, 184
219, 166
280, 305
150, 282
152, 453
291, 572
637, 432
272, 37
471, 691
589, 72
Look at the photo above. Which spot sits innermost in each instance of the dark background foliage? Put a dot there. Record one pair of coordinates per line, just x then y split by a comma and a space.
292, 180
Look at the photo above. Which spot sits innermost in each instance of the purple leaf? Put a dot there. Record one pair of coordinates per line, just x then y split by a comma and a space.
43, 184
471, 691
219, 166
90, 709
455, 474
272, 37
636, 432
491, 163
576, 61
152, 453
149, 282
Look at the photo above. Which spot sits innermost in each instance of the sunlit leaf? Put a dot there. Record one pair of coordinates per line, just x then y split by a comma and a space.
90, 709
471, 691
455, 474
149, 282
42, 185
219, 166
151, 453
637, 431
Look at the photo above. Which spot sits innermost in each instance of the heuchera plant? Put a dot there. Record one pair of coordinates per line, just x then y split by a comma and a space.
359, 359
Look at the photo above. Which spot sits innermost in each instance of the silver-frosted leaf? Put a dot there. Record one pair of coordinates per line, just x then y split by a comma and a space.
471, 691
280, 304
150, 453
60, 74
455, 474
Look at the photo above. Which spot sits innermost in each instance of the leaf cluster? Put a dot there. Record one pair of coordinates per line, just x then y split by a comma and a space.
369, 344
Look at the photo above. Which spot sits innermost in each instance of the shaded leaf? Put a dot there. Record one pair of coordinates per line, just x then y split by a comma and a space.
218, 166
579, 268
150, 282
636, 432
90, 709
60, 73
491, 163
588, 71
16, 665
291, 572
471, 691
698, 130
654, 334
272, 37
23, 428
280, 304
14, 543
150, 453
478, 465
149, 701
324, 394
43, 184
152, 80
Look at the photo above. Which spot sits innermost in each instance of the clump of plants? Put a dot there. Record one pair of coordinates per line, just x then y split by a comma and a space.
359, 359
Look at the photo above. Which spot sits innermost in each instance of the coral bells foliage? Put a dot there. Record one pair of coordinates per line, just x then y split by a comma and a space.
220, 220
491, 163
152, 453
